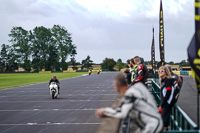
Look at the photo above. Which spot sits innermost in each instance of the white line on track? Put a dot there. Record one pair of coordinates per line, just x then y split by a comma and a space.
67, 95
50, 124
57, 101
15, 110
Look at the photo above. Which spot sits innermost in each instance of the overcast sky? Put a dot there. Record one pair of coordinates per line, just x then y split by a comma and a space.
107, 28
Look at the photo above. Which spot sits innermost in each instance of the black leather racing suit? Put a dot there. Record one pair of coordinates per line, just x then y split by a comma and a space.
57, 82
141, 74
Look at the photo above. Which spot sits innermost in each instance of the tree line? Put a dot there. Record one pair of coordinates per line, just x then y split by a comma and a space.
111, 64
48, 49
181, 63
40, 48
108, 64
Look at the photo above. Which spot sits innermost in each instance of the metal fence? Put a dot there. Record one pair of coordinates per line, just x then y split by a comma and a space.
180, 122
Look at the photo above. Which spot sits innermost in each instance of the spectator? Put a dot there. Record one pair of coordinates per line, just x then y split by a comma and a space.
167, 91
128, 75
172, 74
138, 103
129, 65
132, 62
177, 83
141, 72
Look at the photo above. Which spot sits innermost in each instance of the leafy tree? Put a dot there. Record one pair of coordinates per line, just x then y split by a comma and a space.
22, 47
73, 60
41, 40
8, 59
108, 64
40, 48
63, 41
53, 58
147, 62
142, 60
184, 63
3, 57
1, 65
12, 60
73, 63
87, 63
119, 65
78, 63
171, 63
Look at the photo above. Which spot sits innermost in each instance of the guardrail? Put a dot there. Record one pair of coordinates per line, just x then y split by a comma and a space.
180, 122
183, 73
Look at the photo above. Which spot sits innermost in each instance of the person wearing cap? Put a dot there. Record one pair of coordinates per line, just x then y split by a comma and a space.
54, 79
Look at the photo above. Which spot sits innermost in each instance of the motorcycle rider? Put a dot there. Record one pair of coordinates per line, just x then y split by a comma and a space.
54, 79
141, 72
90, 71
98, 72
138, 104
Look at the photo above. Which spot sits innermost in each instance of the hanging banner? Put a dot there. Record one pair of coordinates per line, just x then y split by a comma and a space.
194, 47
153, 55
161, 36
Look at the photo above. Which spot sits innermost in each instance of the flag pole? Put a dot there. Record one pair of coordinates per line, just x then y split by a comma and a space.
198, 109
154, 57
197, 29
161, 35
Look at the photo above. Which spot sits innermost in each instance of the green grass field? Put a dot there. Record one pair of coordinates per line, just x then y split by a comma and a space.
21, 79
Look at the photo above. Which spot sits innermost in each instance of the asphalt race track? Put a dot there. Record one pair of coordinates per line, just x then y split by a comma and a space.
188, 98
30, 109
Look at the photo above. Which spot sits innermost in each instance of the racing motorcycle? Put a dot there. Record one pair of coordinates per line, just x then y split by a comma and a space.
53, 87
90, 72
98, 72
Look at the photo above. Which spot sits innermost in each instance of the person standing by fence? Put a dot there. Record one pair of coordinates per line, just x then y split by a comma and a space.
167, 95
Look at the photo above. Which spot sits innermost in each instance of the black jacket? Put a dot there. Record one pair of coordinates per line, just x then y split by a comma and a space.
141, 74
128, 78
167, 92
52, 80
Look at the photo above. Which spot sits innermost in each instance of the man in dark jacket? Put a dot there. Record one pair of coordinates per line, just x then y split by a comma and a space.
54, 79
141, 72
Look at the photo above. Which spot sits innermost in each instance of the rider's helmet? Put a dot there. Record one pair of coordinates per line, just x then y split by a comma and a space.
54, 77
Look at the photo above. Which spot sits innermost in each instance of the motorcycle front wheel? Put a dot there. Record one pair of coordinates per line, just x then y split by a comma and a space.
53, 95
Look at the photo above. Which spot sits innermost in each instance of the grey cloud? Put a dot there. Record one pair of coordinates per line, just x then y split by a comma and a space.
102, 34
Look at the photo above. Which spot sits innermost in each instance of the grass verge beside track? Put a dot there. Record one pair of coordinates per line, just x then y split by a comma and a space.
21, 79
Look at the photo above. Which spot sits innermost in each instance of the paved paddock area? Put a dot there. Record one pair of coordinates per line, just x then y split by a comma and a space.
30, 109
188, 98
